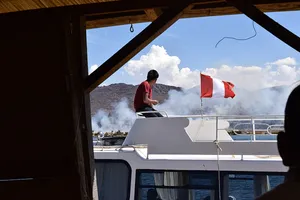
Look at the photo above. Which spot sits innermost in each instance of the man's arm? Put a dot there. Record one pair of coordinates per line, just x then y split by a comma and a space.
149, 101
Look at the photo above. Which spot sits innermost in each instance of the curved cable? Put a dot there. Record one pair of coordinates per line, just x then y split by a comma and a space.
239, 39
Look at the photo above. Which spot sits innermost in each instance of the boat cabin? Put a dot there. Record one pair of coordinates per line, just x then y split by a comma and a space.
192, 157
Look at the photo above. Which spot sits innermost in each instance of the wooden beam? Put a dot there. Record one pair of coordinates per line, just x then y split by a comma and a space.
136, 45
7, 6
116, 21
226, 9
123, 6
134, 5
117, 13
269, 24
153, 13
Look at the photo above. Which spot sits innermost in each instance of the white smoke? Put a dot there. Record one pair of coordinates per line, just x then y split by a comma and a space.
184, 102
121, 118
264, 101
254, 88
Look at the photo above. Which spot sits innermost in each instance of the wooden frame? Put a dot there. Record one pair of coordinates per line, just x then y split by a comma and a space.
119, 12
135, 45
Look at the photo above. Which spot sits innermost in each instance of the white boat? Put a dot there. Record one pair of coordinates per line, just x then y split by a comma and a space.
191, 158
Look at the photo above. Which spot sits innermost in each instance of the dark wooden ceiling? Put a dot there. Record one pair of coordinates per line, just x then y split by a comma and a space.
103, 13
149, 11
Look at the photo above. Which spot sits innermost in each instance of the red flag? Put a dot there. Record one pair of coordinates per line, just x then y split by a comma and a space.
212, 87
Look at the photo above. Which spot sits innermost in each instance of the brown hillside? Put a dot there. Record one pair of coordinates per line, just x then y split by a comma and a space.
105, 96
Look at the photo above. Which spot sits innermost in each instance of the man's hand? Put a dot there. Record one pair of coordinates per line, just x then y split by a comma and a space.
155, 102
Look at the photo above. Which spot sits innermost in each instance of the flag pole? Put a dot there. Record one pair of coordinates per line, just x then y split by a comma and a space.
201, 107
201, 101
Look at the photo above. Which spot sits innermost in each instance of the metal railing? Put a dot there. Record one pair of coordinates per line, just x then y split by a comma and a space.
140, 114
249, 124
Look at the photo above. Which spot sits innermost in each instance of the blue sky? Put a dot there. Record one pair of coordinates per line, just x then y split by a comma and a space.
193, 42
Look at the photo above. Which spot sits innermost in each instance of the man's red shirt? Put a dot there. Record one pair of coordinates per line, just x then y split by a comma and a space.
143, 88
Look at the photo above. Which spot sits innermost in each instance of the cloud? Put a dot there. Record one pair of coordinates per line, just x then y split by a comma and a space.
280, 72
285, 61
166, 65
93, 68
255, 77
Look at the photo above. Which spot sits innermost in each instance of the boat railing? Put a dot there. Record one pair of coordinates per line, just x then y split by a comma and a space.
140, 114
251, 125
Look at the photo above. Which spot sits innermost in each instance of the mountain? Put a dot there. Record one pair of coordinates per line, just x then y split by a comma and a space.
105, 96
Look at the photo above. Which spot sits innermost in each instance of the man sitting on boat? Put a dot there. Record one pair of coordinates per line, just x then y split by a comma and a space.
143, 101
288, 146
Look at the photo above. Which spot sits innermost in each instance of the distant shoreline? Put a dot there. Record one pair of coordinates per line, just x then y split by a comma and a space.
120, 134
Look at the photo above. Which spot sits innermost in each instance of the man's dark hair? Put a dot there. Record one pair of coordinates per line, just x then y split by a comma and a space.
152, 75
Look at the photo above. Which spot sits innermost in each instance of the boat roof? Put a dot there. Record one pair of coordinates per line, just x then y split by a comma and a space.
188, 140
137, 158
195, 135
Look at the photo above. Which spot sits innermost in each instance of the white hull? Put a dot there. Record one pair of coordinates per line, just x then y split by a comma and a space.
179, 143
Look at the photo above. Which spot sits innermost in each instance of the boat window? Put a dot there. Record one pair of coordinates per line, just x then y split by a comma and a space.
176, 185
249, 186
113, 179
203, 185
